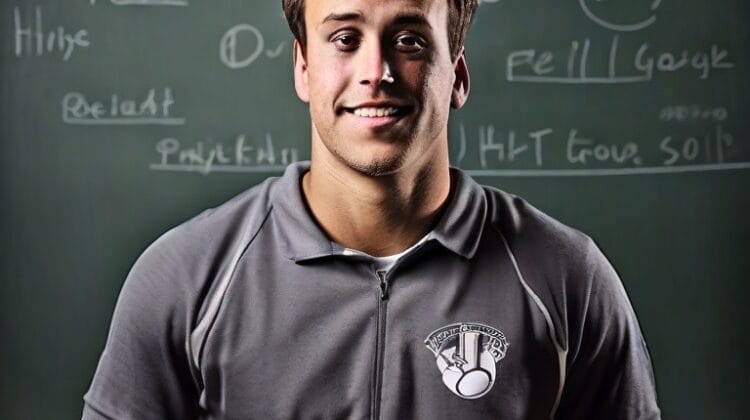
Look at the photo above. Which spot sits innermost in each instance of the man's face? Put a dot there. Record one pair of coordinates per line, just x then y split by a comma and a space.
379, 80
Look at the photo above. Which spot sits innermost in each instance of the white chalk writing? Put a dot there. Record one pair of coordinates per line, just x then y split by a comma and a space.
530, 65
245, 35
710, 147
549, 151
208, 156
32, 38
583, 150
154, 109
682, 113
505, 147
651, 170
648, 11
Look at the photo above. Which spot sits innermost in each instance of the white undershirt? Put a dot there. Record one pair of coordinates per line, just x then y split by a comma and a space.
387, 262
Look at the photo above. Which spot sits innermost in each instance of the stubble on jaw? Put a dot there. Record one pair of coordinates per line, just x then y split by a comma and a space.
408, 151
352, 156
378, 167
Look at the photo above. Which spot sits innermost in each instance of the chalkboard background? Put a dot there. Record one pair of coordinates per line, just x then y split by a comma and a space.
626, 119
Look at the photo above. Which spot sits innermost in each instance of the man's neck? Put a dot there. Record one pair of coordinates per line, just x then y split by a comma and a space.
381, 215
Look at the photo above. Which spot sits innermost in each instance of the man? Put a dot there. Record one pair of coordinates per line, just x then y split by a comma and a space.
375, 281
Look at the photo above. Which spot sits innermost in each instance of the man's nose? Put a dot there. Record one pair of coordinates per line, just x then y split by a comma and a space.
374, 67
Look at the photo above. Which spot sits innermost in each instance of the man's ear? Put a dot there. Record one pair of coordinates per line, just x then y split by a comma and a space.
462, 83
300, 72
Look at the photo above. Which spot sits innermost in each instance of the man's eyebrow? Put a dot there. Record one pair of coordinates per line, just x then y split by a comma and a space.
401, 19
411, 19
343, 17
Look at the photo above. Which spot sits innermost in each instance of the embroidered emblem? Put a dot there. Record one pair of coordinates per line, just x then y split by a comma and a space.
466, 354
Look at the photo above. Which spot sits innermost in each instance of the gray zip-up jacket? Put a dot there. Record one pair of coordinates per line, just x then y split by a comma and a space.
248, 311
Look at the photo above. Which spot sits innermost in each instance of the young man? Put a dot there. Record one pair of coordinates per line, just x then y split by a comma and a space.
374, 281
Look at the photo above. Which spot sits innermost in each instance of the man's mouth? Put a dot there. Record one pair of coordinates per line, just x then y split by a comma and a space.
378, 111
375, 112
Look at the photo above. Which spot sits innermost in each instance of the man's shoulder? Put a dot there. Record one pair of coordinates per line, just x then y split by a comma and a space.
554, 259
189, 251
241, 215
246, 209
522, 224
561, 266
231, 220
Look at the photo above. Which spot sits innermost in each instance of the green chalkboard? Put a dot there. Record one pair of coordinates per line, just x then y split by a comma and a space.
626, 119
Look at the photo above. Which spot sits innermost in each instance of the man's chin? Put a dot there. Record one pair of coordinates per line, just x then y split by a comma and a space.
378, 167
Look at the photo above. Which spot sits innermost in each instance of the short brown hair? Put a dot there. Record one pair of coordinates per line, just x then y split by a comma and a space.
460, 14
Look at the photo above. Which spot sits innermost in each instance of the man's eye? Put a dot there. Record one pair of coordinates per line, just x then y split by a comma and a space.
346, 42
410, 43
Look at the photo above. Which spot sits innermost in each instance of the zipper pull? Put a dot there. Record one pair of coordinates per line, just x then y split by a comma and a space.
384, 286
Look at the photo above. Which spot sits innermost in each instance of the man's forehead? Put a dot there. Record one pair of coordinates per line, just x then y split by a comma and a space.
318, 12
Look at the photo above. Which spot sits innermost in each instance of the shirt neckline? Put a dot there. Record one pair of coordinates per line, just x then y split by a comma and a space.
459, 228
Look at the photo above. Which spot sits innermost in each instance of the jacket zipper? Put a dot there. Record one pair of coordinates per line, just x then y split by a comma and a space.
380, 344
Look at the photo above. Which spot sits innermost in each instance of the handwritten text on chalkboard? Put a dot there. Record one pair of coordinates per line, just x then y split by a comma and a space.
247, 36
32, 37
495, 149
154, 109
530, 65
242, 155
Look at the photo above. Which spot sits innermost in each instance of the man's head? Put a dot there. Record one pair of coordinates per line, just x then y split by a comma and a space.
380, 77
460, 14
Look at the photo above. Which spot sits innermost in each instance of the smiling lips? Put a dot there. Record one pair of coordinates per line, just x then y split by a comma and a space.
386, 110
375, 112
378, 115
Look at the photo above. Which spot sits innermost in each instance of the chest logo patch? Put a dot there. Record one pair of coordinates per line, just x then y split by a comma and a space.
466, 354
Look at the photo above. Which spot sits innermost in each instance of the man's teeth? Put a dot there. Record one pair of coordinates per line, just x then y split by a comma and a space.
375, 112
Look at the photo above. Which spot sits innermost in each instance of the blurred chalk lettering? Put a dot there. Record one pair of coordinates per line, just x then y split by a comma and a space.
681, 113
709, 147
154, 109
532, 66
32, 38
648, 10
243, 44
582, 151
209, 156
555, 152
506, 146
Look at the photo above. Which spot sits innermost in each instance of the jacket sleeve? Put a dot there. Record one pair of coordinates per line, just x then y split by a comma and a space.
609, 373
143, 372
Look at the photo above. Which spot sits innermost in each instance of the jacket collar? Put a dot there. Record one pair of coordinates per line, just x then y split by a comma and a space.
458, 230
